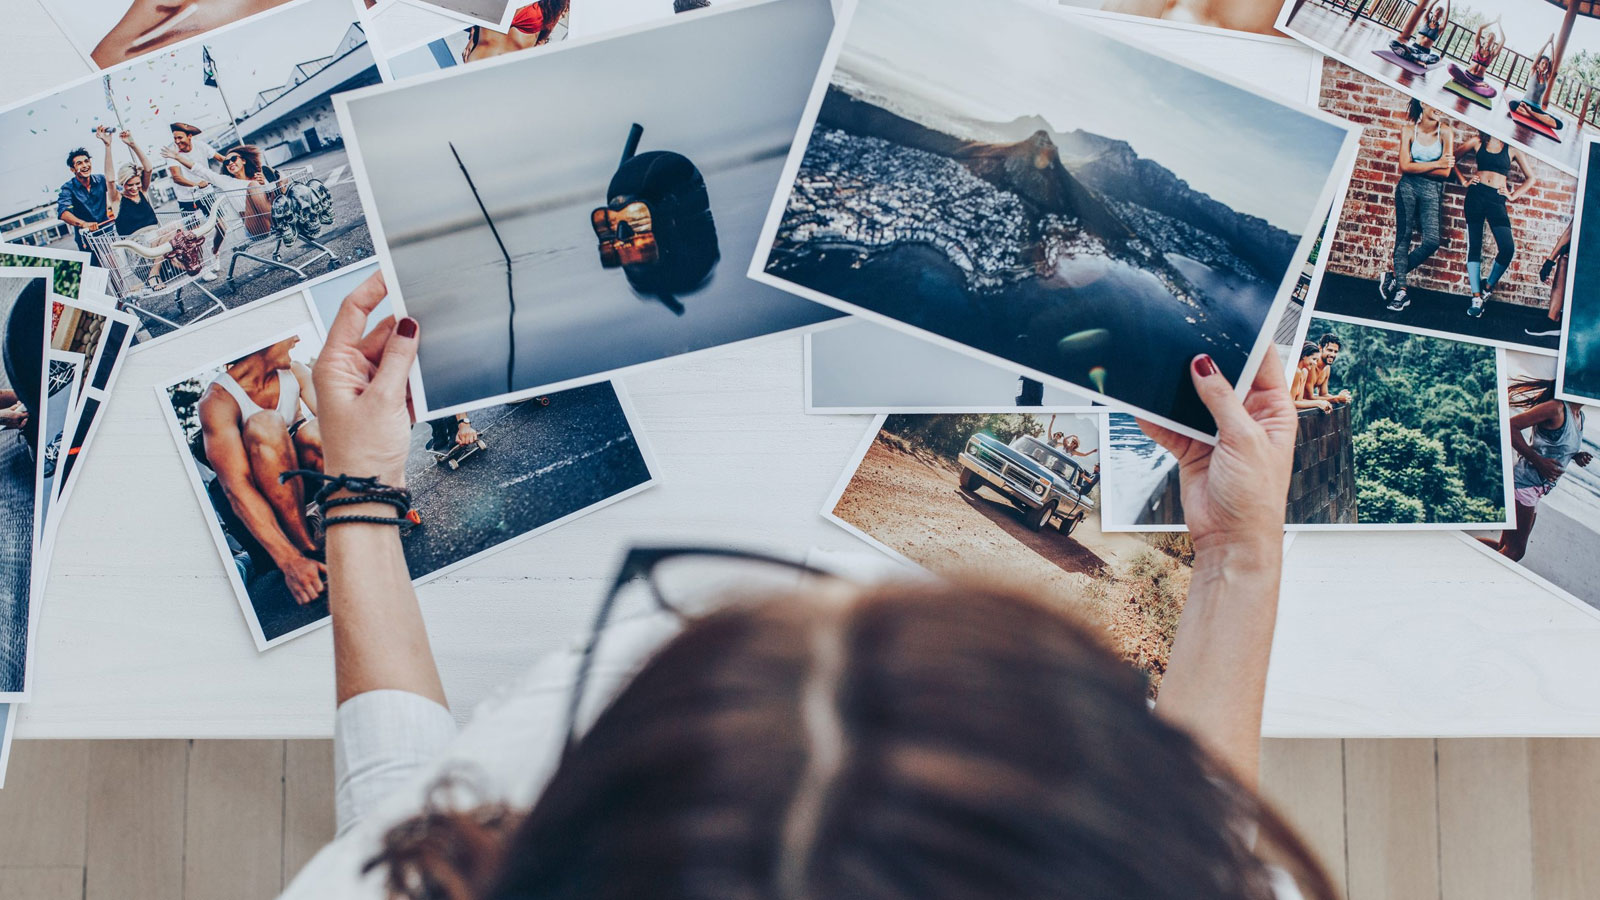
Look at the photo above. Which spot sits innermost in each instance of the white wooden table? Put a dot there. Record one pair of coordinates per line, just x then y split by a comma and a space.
1379, 635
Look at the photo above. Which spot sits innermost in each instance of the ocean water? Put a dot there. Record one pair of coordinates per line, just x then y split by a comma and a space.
1135, 466
575, 319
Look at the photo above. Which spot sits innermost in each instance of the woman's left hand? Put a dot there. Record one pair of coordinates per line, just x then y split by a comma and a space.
362, 387
1583, 459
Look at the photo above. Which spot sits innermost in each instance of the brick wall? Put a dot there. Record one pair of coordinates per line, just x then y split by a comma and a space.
1322, 490
1363, 243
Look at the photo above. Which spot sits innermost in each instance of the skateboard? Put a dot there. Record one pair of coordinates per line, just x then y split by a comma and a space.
460, 452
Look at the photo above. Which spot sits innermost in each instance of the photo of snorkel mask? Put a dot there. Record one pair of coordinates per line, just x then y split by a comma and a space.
657, 225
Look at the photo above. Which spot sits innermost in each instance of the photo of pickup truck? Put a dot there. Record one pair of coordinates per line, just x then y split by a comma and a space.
1043, 482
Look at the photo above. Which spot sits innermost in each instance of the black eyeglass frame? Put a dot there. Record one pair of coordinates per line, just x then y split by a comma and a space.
639, 565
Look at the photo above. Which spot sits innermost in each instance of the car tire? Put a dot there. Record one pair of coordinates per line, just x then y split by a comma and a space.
1069, 524
1036, 519
970, 482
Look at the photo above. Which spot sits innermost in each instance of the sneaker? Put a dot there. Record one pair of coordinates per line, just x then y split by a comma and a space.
212, 274
1531, 333
1476, 309
1400, 301
1386, 285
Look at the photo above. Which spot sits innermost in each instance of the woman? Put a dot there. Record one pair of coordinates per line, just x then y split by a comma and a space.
1540, 81
1427, 157
532, 26
1554, 273
1488, 193
130, 198
1486, 48
250, 184
1557, 442
1419, 47
922, 740
1304, 376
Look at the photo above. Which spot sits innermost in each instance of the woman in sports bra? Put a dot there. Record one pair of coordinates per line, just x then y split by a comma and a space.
1488, 193
1426, 158
1531, 105
1485, 50
532, 26
1420, 48
1556, 443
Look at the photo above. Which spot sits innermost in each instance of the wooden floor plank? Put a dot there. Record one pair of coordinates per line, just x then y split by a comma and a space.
1391, 816
1564, 800
307, 802
44, 807
1485, 829
41, 883
134, 844
1304, 779
233, 832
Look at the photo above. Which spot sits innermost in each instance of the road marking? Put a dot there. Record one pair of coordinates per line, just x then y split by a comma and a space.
334, 177
562, 464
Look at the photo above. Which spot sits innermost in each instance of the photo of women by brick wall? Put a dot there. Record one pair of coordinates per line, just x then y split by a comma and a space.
1445, 230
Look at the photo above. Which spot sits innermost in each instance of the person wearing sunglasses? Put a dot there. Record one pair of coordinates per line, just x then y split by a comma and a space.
737, 725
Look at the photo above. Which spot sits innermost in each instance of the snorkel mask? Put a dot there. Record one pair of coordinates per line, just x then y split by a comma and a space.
657, 224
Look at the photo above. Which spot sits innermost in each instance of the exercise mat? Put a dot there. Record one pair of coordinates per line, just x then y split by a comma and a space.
1461, 90
1534, 125
1410, 65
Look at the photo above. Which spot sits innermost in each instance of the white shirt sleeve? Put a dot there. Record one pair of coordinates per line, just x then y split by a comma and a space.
381, 741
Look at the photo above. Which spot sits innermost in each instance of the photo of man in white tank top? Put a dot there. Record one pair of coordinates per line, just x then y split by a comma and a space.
258, 421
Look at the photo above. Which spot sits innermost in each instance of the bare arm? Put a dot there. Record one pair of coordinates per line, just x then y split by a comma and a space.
1549, 414
380, 641
224, 443
1408, 164
144, 163
308, 387
1529, 182
1233, 497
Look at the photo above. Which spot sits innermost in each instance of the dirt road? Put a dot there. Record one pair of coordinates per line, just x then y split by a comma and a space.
913, 503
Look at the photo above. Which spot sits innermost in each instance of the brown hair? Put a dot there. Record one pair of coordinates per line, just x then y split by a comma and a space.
922, 741
1526, 393
250, 155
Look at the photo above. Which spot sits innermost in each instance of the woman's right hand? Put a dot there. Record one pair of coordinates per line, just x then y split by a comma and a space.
1234, 492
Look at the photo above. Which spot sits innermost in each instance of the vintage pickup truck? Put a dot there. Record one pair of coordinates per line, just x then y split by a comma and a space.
1043, 482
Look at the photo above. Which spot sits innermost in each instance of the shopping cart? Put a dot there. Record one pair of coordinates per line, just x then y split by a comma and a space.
258, 224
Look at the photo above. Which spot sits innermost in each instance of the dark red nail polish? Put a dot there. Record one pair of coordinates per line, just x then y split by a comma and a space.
1204, 366
407, 327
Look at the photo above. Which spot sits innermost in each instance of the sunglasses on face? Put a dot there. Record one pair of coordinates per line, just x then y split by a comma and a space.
627, 235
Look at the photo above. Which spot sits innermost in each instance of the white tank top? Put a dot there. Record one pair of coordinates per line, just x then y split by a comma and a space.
288, 397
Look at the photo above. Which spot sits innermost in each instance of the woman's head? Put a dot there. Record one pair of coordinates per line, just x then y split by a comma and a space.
1541, 68
130, 181
1309, 352
1423, 114
1526, 393
243, 161
915, 741
1436, 17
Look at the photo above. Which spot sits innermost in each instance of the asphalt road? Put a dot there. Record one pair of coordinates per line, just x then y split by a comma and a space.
348, 238
543, 463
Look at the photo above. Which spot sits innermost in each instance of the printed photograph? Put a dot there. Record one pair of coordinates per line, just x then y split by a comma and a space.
1519, 70
1578, 366
608, 229
864, 367
534, 25
478, 481
1254, 17
1445, 230
1053, 199
92, 327
111, 32
63, 373
1016, 497
1397, 431
1557, 489
205, 178
24, 299
71, 267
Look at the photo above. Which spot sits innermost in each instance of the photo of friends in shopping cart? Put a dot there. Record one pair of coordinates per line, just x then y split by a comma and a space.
203, 179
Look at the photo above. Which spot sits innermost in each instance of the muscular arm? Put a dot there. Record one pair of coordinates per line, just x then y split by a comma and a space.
1529, 182
224, 443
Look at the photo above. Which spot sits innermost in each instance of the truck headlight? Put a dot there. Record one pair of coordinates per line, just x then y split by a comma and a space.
1038, 488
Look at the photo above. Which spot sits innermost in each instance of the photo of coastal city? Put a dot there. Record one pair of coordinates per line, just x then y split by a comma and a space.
1093, 213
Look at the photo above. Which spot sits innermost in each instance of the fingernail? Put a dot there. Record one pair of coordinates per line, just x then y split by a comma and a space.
407, 327
1204, 366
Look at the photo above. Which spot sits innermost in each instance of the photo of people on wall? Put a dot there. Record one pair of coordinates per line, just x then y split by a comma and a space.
1445, 230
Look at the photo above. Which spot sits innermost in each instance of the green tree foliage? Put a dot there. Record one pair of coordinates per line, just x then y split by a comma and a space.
1427, 425
68, 274
946, 435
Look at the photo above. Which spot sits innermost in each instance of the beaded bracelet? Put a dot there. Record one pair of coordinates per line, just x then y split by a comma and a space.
362, 490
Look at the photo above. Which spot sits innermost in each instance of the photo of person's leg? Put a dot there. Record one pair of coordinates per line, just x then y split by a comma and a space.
1475, 210
1514, 544
1504, 240
273, 452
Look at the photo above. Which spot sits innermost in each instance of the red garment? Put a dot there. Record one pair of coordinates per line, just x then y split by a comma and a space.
529, 19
